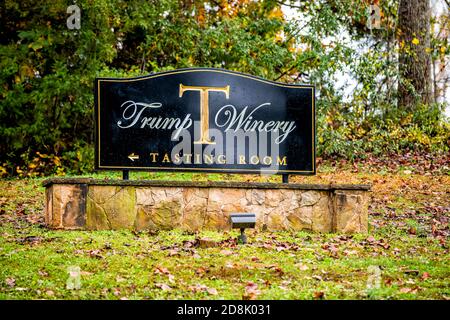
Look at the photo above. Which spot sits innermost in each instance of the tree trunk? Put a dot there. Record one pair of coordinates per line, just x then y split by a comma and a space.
414, 60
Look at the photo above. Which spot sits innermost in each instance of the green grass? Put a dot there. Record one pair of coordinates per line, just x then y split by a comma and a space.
34, 261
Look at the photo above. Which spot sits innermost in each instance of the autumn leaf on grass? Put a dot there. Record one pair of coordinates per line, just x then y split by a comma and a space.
350, 252
317, 277
165, 271
174, 252
318, 295
212, 291
10, 282
425, 276
161, 270
276, 268
43, 273
95, 254
251, 291
201, 271
226, 252
163, 286
408, 290
203, 288
302, 267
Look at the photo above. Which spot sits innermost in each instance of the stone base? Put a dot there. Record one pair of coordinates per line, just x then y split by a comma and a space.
88, 204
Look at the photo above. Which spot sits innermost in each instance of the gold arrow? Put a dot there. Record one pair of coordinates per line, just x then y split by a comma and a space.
133, 157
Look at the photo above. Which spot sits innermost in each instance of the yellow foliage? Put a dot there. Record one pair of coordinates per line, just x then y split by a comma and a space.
415, 41
32, 165
279, 36
3, 171
276, 13
57, 161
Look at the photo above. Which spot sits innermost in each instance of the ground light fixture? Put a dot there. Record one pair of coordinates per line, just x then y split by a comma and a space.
242, 221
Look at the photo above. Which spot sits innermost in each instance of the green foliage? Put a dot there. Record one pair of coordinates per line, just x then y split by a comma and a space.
395, 131
47, 70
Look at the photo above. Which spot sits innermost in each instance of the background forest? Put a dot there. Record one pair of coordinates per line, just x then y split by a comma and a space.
380, 69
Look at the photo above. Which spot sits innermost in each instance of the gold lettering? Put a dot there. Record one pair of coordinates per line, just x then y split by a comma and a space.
254, 162
197, 158
188, 157
269, 160
204, 108
153, 155
242, 160
166, 158
177, 158
208, 159
281, 161
221, 156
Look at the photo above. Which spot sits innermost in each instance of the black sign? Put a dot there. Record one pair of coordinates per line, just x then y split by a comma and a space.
207, 120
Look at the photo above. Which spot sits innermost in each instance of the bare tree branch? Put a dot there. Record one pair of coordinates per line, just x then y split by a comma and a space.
288, 4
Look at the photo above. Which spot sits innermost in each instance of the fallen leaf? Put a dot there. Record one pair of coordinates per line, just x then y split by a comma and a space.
95, 254
425, 276
207, 243
251, 291
197, 288
203, 288
302, 267
161, 270
10, 282
226, 252
32, 240
43, 273
163, 286
212, 291
319, 295
407, 290
174, 252
201, 270
316, 277
350, 252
